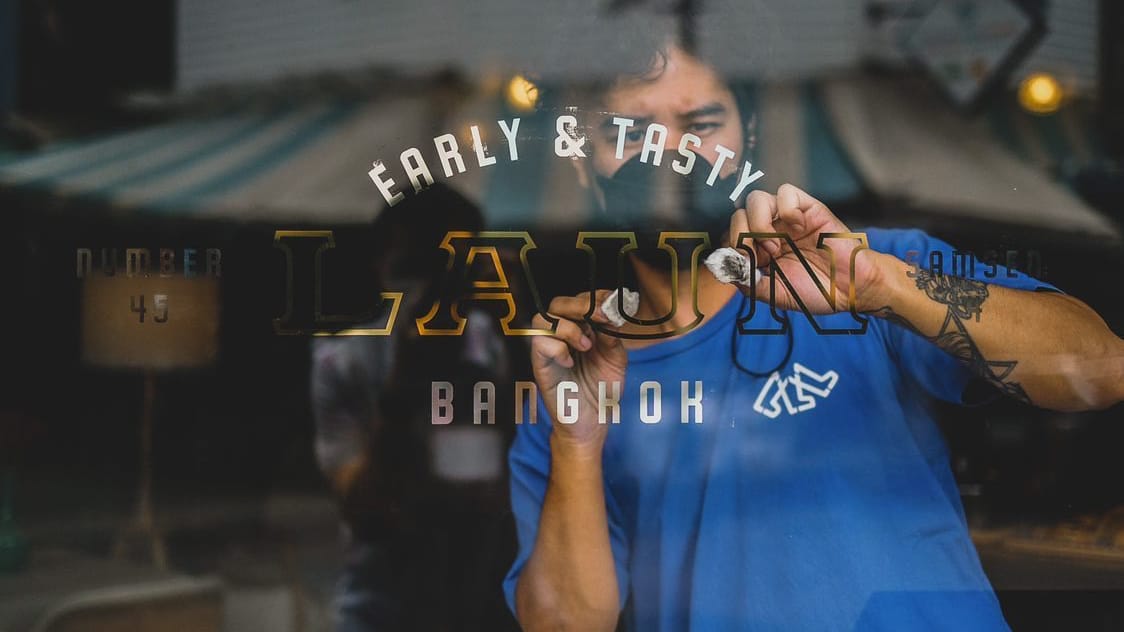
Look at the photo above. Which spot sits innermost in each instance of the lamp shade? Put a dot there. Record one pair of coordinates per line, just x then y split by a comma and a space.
149, 322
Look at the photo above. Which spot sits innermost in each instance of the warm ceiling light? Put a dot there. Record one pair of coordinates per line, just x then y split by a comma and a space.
522, 95
1040, 93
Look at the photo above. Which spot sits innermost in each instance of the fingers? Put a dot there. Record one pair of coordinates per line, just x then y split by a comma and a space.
575, 307
546, 350
787, 212
793, 197
792, 201
763, 288
556, 348
791, 205
739, 223
761, 210
572, 333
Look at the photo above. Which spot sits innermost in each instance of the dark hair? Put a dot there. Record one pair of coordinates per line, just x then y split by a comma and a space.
630, 39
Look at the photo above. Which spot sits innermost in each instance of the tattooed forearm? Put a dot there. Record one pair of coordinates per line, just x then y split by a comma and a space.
965, 299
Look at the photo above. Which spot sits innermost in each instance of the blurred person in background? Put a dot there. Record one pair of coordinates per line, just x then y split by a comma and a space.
423, 505
817, 494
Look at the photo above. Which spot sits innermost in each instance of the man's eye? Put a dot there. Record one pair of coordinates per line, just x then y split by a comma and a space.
634, 136
703, 128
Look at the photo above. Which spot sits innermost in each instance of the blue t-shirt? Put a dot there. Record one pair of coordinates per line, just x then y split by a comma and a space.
818, 497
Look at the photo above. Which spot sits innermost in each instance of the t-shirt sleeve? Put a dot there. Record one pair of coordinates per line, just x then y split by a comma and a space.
933, 369
529, 461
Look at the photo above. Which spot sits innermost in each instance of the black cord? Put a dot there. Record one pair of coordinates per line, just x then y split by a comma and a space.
734, 344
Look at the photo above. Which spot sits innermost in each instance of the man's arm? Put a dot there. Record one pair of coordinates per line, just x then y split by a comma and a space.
570, 580
1044, 348
1047, 349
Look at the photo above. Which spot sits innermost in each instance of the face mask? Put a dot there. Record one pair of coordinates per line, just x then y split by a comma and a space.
648, 199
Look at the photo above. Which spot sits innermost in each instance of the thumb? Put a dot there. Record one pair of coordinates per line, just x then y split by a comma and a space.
610, 307
762, 288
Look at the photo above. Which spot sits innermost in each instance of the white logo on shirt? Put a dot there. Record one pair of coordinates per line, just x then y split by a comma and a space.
804, 382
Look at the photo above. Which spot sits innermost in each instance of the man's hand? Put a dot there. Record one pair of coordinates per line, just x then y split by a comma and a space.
578, 354
803, 218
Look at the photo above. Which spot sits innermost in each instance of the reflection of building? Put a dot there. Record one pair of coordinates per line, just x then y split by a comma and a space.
812, 132
817, 116
223, 42
1068, 49
1112, 83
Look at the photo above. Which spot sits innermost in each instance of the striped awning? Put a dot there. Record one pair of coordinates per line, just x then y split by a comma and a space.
295, 162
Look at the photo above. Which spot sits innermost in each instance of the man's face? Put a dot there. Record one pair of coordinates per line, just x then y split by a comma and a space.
686, 96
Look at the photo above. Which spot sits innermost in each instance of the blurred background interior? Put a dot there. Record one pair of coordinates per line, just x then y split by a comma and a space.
205, 124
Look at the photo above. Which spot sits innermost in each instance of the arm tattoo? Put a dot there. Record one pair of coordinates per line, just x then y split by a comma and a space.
965, 299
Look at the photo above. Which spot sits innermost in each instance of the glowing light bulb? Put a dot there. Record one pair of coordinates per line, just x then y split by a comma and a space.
1040, 93
522, 94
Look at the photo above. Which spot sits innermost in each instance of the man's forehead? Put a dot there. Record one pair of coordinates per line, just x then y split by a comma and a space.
682, 90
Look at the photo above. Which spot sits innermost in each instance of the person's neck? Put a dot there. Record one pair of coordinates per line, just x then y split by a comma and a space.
656, 291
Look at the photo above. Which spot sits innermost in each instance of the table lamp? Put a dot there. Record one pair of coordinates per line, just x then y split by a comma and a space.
148, 324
